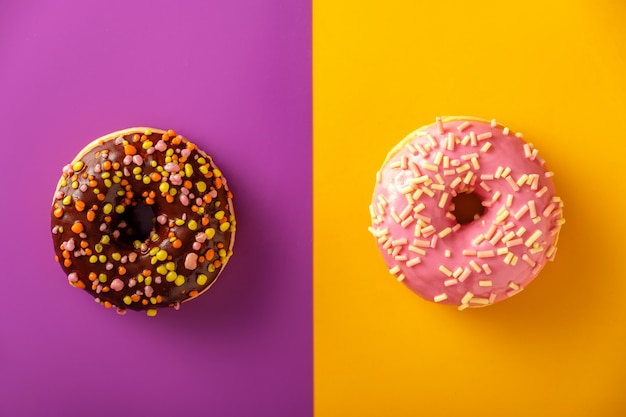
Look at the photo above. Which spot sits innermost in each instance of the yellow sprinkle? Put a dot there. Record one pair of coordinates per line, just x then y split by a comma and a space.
203, 169
224, 226
201, 279
161, 255
116, 256
154, 251
161, 269
201, 186
78, 166
188, 170
192, 225
119, 209
151, 312
107, 208
98, 247
164, 187
180, 280
147, 144
210, 232
146, 180
219, 215
67, 200
153, 300
127, 300
171, 276
137, 170
217, 173
74, 184
93, 259
170, 266
102, 278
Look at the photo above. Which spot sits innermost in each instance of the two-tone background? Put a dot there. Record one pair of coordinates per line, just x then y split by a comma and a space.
299, 102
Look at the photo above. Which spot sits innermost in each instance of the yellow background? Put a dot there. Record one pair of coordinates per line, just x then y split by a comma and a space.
555, 71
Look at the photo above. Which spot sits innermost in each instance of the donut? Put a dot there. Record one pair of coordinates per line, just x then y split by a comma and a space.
142, 219
464, 212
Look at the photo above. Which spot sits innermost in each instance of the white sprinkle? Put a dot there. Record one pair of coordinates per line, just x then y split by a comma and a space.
506, 172
529, 260
485, 253
447, 253
451, 141
475, 265
468, 177
445, 271
440, 129
401, 277
457, 272
445, 232
542, 191
394, 270
446, 161
511, 182
533, 238
463, 126
548, 210
483, 136
502, 251
466, 273
468, 296
514, 242
440, 297
493, 123
490, 232
532, 208
475, 163
442, 200
421, 243
450, 282
473, 139
413, 261
469, 252
484, 186
522, 180
521, 212
486, 147
455, 182
496, 238
399, 242
417, 250
487, 269
407, 222
495, 196
478, 239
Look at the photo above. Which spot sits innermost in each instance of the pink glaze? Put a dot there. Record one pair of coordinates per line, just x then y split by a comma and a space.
481, 262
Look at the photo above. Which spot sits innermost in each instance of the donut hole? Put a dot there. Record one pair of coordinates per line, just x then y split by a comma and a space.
467, 207
137, 222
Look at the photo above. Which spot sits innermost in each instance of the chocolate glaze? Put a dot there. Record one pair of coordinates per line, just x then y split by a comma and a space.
103, 256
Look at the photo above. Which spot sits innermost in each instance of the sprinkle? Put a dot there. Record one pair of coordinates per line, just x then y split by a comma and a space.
486, 147
468, 296
430, 167
506, 172
496, 238
455, 182
465, 274
521, 212
447, 253
394, 270
541, 192
508, 258
502, 251
514, 242
413, 261
512, 183
469, 252
449, 282
483, 136
509, 200
485, 253
548, 210
475, 266
487, 269
478, 239
529, 260
439, 123
78, 166
442, 200
422, 243
484, 186
151, 312
191, 261
77, 227
468, 177
417, 250
498, 172
490, 232
463, 126
445, 270
440, 297
533, 238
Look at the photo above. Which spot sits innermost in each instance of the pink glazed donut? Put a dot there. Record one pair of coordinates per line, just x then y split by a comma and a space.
464, 212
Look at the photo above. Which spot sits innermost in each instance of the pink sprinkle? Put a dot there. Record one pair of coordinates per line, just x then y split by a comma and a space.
176, 179
186, 152
126, 172
59, 195
191, 261
198, 201
97, 169
161, 219
157, 279
213, 193
177, 306
160, 146
116, 234
124, 260
137, 159
108, 266
83, 188
196, 245
67, 169
69, 245
117, 284
184, 190
119, 140
72, 277
148, 290
184, 200
201, 237
132, 282
127, 159
171, 167
150, 150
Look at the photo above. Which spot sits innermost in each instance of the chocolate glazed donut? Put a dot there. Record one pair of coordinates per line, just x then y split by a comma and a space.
96, 225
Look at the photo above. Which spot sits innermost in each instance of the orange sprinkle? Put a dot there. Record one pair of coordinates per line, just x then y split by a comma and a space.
171, 133
207, 198
193, 293
144, 138
171, 234
136, 137
230, 194
124, 183
121, 270
194, 208
210, 254
91, 215
56, 258
101, 197
134, 297
220, 245
169, 198
67, 263
88, 252
155, 176
217, 263
176, 141
201, 259
151, 194
187, 184
106, 304
144, 302
79, 205
165, 137
79, 284
107, 219
65, 254
116, 165
92, 276
130, 150
106, 165
159, 299
149, 201
77, 227
205, 221
146, 273
177, 244
106, 289
218, 183
84, 244
58, 213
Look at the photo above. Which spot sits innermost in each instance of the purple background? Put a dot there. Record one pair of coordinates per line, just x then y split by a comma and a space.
234, 77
